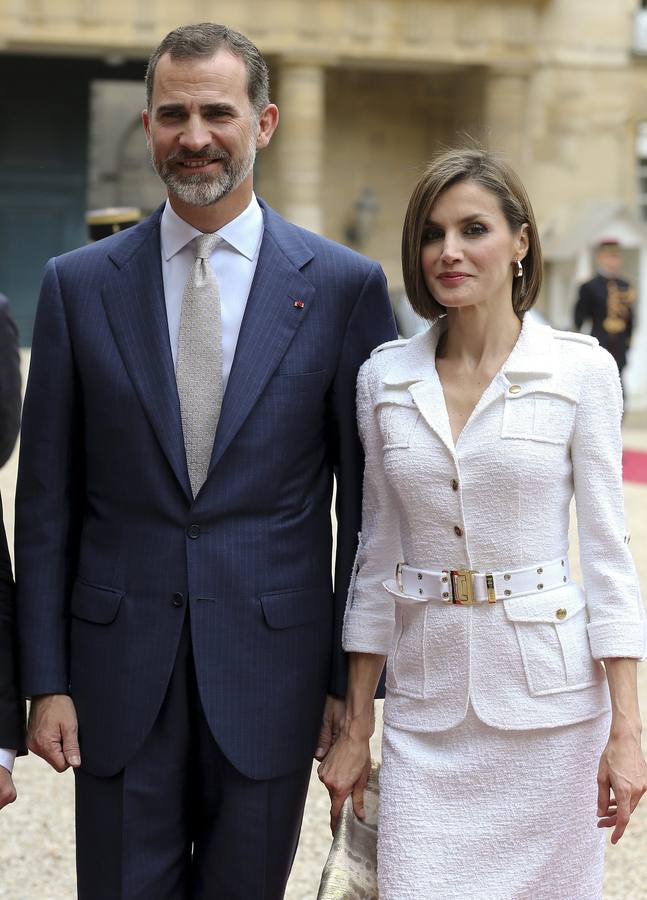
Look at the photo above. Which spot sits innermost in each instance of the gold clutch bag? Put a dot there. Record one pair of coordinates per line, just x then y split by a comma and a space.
350, 872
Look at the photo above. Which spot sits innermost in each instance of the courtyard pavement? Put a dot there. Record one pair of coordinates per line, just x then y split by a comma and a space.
37, 833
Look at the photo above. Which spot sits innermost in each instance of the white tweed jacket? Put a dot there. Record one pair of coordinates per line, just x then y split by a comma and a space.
498, 500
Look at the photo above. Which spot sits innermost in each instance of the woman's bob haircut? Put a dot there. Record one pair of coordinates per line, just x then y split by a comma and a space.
492, 173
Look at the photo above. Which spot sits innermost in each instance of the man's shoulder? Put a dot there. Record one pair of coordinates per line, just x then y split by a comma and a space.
320, 247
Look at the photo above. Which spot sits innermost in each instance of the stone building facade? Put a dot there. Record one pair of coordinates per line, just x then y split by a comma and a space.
368, 90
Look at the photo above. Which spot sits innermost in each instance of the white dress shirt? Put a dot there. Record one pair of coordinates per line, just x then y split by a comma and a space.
7, 758
233, 262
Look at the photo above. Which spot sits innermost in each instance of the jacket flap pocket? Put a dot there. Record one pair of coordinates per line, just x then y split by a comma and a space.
555, 607
287, 609
94, 603
542, 388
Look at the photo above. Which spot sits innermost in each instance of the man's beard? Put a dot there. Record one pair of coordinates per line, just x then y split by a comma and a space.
205, 188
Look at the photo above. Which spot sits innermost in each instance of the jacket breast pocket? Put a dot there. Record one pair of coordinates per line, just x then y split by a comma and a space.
545, 416
397, 424
553, 640
286, 385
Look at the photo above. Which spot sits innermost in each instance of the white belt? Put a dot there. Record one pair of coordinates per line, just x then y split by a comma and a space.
465, 587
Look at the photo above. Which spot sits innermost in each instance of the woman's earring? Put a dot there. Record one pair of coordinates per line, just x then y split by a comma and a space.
518, 272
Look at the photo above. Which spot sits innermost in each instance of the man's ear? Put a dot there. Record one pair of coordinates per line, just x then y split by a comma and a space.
267, 122
147, 125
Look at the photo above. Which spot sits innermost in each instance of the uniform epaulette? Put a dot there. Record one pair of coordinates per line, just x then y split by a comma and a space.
389, 344
577, 337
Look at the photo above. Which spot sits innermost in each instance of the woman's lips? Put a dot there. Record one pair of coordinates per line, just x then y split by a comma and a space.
453, 277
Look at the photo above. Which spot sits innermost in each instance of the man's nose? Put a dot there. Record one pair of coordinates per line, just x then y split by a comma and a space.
195, 135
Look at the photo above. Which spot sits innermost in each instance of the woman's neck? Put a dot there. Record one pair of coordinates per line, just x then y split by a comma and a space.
476, 335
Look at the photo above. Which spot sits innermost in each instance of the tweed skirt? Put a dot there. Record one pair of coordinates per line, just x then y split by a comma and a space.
478, 812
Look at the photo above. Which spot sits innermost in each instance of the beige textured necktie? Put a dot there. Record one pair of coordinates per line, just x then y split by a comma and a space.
198, 369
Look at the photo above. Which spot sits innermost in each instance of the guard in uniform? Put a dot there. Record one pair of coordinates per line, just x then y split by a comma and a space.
104, 222
606, 301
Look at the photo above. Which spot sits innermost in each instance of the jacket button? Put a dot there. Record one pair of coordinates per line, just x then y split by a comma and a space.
454, 484
178, 600
561, 613
514, 388
458, 531
193, 531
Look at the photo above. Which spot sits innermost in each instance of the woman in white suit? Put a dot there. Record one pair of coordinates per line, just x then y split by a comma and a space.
509, 688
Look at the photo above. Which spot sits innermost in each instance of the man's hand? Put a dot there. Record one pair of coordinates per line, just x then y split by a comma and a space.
52, 732
333, 717
7, 789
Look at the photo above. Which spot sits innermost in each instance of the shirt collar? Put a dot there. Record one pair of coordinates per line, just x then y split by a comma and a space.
244, 233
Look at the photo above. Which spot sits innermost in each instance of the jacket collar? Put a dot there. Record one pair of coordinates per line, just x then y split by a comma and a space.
530, 365
533, 356
133, 295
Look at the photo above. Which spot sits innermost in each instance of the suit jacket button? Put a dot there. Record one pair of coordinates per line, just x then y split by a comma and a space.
454, 484
193, 531
458, 531
178, 600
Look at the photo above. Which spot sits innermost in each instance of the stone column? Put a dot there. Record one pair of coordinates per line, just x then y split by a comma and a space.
300, 136
506, 114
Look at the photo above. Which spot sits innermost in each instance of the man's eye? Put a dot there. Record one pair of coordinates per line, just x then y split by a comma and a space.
475, 229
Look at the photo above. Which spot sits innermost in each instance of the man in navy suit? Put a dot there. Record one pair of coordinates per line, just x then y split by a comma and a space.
193, 633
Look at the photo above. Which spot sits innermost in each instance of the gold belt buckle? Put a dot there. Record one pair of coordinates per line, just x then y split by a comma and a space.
462, 581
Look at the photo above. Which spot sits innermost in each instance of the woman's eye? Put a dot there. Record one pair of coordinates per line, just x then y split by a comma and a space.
431, 234
475, 229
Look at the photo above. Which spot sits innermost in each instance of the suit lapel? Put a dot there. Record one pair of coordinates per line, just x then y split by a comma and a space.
279, 300
134, 303
415, 369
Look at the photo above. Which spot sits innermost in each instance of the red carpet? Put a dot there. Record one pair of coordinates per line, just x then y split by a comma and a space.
634, 466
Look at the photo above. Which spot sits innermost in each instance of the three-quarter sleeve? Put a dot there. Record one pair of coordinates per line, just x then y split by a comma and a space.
369, 617
617, 618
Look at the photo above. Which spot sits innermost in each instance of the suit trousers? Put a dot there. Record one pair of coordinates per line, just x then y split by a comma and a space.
179, 822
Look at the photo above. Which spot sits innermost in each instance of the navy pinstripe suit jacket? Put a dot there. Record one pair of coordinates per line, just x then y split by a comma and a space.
110, 545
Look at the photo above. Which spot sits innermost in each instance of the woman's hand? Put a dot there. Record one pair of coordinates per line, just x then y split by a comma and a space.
345, 770
622, 771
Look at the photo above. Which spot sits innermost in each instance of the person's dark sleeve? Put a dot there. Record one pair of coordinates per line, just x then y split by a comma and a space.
582, 307
12, 708
371, 323
9, 382
630, 327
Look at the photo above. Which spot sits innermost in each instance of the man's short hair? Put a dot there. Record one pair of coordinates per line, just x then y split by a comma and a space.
203, 41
